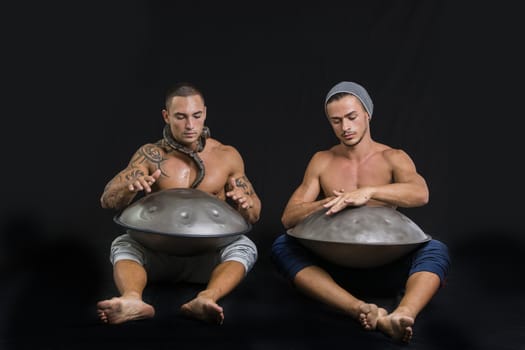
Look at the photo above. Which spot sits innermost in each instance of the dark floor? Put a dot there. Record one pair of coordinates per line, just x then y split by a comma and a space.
48, 304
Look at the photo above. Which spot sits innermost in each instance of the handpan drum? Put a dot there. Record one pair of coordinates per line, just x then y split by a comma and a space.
182, 221
360, 237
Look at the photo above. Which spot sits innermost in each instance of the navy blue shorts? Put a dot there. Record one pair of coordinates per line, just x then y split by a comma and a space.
290, 257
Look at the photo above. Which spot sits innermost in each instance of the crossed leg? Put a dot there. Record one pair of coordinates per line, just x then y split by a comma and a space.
317, 283
420, 288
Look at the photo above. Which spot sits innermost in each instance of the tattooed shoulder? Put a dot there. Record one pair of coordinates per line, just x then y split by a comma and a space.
164, 146
149, 155
152, 153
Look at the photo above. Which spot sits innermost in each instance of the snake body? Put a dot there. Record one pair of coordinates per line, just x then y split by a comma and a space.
193, 154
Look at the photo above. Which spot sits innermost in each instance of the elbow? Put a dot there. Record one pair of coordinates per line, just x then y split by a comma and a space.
103, 203
253, 215
421, 202
422, 199
426, 196
286, 222
254, 218
106, 204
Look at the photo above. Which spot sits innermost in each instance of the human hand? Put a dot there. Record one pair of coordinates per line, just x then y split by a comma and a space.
344, 199
239, 194
143, 182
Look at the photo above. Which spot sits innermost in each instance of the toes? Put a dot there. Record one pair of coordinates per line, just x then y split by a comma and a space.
365, 308
102, 316
406, 322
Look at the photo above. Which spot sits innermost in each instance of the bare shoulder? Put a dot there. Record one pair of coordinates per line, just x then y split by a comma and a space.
393, 153
319, 161
160, 146
148, 154
396, 157
222, 150
153, 151
320, 157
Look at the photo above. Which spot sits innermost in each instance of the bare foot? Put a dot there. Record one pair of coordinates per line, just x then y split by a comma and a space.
397, 326
203, 309
369, 314
120, 310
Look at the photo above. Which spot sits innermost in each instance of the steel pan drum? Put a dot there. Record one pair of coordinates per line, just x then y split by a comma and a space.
182, 221
359, 237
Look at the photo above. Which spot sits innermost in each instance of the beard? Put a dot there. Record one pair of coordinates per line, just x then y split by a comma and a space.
353, 142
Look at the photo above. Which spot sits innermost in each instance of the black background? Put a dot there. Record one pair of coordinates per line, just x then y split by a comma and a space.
84, 85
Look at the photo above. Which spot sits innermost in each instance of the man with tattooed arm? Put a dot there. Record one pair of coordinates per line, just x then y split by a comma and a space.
178, 160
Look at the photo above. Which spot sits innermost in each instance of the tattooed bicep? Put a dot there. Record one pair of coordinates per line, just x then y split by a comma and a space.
152, 153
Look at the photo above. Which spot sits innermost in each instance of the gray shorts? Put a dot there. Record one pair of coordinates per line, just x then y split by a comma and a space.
196, 269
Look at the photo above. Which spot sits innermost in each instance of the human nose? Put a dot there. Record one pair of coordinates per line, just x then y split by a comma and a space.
189, 124
347, 124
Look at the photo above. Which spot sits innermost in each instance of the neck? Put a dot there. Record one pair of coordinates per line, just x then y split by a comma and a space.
201, 142
359, 150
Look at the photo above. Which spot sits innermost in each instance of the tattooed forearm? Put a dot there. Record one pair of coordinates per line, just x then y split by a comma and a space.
243, 183
115, 194
115, 199
111, 182
134, 174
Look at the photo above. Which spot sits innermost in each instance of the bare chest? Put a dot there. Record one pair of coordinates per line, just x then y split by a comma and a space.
350, 175
180, 171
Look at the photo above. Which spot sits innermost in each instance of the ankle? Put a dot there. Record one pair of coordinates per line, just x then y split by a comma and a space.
404, 311
131, 295
355, 309
208, 294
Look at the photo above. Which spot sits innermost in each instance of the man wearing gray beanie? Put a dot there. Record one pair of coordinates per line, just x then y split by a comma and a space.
359, 172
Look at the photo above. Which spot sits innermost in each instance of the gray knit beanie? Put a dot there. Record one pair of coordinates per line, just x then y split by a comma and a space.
354, 89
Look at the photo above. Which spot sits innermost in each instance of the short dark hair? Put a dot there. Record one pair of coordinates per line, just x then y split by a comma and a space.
182, 89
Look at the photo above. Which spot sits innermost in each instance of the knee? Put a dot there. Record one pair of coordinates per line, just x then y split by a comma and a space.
436, 244
125, 247
433, 257
242, 250
252, 251
440, 250
278, 247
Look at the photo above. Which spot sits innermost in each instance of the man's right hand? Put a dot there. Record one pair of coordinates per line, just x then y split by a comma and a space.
144, 183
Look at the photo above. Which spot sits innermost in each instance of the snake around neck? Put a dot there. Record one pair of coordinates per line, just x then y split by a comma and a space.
168, 138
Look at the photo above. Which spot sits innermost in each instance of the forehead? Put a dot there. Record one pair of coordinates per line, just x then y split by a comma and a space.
186, 103
343, 106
